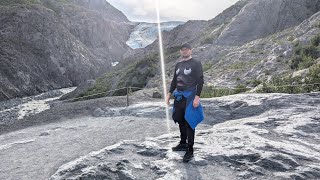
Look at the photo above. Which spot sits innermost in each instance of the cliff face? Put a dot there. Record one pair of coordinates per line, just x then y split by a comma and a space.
260, 18
50, 44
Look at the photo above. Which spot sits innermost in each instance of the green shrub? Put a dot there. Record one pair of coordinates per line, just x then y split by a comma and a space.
294, 85
295, 62
207, 40
306, 62
206, 92
240, 88
254, 82
267, 72
133, 75
207, 66
252, 51
305, 56
207, 37
316, 40
314, 77
290, 38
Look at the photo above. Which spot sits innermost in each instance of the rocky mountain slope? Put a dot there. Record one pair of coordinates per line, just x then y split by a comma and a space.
260, 59
232, 49
243, 22
51, 44
260, 18
245, 43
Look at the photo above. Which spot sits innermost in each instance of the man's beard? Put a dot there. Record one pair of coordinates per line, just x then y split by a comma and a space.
185, 57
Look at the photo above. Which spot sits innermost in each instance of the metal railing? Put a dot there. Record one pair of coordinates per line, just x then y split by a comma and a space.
128, 90
226, 91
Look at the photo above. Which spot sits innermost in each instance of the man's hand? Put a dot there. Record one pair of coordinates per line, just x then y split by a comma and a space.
168, 99
196, 101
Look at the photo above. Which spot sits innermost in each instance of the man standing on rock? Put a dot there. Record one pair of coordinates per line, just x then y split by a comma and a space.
187, 110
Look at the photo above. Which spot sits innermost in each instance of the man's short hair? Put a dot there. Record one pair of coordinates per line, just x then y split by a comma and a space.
186, 45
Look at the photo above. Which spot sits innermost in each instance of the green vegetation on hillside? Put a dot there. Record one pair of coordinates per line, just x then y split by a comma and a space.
297, 84
289, 84
306, 55
207, 66
134, 75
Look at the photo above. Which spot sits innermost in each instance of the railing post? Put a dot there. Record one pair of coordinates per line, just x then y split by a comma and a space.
127, 96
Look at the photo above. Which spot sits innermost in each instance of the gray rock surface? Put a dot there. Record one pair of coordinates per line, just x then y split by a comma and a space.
256, 136
278, 141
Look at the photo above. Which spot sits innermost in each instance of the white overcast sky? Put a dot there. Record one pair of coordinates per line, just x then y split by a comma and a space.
171, 10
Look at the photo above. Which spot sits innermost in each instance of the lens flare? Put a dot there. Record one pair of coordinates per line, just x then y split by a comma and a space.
162, 64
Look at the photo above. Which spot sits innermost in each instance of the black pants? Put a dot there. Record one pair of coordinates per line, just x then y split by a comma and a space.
186, 132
